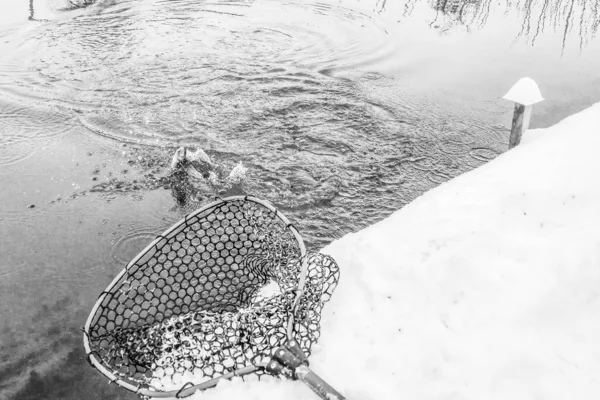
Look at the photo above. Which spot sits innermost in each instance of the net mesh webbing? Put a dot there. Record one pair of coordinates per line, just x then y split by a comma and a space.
214, 295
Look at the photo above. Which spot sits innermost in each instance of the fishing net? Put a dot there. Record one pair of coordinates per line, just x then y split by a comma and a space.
211, 298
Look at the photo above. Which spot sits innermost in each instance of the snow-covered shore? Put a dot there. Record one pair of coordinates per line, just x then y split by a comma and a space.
486, 287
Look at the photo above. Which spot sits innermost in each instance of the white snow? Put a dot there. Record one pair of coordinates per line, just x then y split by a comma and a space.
487, 287
525, 92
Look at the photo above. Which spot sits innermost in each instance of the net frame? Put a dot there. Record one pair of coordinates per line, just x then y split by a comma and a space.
94, 359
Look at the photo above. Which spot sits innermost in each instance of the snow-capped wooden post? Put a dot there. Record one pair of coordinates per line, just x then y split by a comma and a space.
525, 93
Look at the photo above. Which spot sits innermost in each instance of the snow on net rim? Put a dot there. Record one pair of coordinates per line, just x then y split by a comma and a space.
188, 388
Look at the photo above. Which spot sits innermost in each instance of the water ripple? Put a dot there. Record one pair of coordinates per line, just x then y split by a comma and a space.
254, 81
126, 245
24, 136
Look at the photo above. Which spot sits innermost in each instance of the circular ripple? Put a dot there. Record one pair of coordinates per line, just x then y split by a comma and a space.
25, 131
126, 245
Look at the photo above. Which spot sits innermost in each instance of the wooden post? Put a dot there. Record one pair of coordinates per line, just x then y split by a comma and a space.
525, 93
520, 124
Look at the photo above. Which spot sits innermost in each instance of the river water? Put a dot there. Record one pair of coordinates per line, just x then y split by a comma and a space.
343, 111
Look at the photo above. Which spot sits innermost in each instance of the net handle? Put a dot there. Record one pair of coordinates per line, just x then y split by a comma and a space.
290, 361
95, 361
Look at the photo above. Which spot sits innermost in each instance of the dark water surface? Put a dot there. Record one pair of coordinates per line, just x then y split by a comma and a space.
344, 111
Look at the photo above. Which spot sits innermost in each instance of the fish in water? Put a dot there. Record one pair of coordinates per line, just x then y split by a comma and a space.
193, 162
187, 171
191, 170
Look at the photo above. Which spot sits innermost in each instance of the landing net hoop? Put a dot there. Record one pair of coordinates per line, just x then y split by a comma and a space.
209, 267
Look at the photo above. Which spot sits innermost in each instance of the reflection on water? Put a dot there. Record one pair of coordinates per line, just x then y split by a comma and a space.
572, 17
81, 3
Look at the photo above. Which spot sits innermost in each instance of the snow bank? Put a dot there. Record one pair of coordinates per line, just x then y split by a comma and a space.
487, 287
